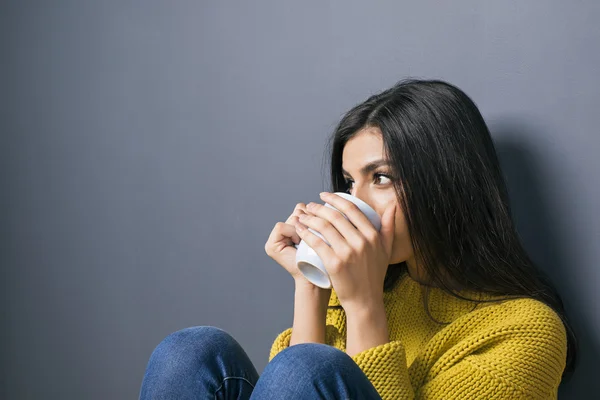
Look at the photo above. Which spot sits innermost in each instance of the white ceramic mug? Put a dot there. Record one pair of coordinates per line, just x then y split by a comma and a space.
309, 262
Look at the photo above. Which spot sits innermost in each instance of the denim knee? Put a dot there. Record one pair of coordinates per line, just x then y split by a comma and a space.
308, 362
189, 348
195, 361
313, 371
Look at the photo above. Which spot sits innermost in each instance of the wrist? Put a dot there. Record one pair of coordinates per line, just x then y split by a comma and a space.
301, 284
367, 327
365, 309
310, 313
308, 292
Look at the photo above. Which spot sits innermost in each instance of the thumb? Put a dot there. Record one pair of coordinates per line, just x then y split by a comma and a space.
388, 224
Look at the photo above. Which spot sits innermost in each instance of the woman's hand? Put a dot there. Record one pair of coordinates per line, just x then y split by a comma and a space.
310, 301
358, 258
280, 245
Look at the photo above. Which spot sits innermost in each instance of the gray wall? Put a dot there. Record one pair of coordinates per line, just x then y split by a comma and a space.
147, 149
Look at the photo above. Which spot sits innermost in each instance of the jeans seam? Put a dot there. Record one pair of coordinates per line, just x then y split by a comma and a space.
232, 377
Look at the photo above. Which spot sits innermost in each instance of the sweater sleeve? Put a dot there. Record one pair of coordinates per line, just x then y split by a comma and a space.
385, 367
517, 358
282, 341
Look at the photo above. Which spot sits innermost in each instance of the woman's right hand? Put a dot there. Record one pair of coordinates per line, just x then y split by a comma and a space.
280, 245
310, 301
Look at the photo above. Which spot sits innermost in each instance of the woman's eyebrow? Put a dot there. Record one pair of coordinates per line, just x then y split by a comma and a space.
369, 167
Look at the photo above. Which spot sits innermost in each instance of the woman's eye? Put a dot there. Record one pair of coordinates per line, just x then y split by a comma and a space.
383, 176
377, 177
348, 185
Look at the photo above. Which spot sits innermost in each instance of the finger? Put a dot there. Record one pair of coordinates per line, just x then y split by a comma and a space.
331, 233
289, 231
297, 210
283, 231
352, 212
340, 223
325, 252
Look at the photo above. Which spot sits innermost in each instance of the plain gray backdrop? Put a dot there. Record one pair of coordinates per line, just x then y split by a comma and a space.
147, 149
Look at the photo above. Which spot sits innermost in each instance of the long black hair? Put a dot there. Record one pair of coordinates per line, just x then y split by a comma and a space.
452, 191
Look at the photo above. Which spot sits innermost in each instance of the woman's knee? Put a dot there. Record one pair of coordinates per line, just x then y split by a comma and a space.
307, 370
190, 347
195, 360
308, 361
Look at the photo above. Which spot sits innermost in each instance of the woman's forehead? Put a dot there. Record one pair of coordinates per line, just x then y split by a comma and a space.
364, 148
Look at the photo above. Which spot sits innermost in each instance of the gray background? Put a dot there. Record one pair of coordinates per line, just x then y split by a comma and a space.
148, 148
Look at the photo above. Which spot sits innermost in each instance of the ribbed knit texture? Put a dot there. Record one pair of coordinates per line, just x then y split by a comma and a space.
514, 349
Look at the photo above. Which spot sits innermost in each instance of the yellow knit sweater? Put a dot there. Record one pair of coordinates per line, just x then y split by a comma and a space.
514, 349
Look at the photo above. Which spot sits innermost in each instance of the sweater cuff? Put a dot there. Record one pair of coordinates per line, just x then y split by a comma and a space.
385, 367
282, 342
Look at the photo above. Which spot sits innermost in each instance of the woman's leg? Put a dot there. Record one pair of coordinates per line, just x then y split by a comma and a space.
201, 362
313, 371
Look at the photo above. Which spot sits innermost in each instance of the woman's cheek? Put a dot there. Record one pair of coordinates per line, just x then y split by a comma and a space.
402, 246
401, 249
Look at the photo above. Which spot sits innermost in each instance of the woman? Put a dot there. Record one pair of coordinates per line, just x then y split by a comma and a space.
442, 302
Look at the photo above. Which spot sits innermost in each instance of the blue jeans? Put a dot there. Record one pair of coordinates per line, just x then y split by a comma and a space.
205, 362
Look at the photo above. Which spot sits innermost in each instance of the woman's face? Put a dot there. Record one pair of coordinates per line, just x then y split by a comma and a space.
374, 186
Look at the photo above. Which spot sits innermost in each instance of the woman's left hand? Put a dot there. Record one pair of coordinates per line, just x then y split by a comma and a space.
359, 256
